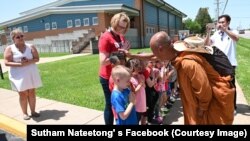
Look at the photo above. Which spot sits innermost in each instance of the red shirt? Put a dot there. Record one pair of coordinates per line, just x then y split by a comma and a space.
108, 44
111, 84
146, 73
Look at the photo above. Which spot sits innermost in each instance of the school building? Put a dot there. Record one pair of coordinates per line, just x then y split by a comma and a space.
75, 22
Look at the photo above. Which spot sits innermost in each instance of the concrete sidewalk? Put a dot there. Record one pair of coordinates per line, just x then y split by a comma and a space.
54, 112
46, 60
175, 115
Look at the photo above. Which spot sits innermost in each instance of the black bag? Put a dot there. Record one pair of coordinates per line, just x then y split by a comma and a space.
220, 62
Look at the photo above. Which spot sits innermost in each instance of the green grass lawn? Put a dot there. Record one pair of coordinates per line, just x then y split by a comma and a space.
76, 80
73, 81
243, 69
54, 54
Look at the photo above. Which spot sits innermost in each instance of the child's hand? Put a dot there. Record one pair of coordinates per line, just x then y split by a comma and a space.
156, 74
132, 98
131, 87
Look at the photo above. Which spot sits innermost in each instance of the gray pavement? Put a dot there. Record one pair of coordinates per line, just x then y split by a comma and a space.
55, 112
175, 116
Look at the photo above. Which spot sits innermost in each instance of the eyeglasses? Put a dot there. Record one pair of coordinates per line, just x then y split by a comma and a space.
18, 37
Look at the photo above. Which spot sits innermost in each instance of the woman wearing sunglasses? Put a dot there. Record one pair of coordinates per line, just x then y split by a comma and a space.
24, 74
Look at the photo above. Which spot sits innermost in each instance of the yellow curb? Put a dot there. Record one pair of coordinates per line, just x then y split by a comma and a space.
13, 126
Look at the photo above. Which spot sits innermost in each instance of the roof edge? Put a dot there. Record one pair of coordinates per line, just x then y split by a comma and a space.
69, 10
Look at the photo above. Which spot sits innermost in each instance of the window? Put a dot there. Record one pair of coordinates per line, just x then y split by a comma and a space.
54, 25
20, 28
86, 22
47, 26
9, 29
25, 29
69, 23
77, 23
95, 20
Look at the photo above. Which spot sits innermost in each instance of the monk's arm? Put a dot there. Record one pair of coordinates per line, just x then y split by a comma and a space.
199, 82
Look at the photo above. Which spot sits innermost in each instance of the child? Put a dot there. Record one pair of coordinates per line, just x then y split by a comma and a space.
122, 99
116, 58
138, 83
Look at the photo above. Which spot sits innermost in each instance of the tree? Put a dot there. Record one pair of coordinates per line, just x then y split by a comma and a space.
203, 18
192, 26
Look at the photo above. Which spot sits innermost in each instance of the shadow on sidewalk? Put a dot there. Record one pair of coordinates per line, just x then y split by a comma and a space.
50, 114
175, 113
243, 109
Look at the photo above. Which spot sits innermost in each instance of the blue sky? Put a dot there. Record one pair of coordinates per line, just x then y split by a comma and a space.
237, 9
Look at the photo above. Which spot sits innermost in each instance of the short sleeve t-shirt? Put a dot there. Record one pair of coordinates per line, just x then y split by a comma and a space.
108, 44
120, 101
228, 46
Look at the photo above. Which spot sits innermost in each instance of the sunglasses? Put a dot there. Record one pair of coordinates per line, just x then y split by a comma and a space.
18, 37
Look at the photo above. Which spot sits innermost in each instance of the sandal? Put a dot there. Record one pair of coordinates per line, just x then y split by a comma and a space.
26, 117
35, 114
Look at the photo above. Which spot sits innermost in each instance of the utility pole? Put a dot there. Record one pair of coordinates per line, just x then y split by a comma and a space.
217, 10
225, 7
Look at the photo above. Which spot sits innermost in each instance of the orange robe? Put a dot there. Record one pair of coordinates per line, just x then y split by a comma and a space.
202, 87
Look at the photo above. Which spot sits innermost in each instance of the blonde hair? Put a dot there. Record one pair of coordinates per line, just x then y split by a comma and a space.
120, 71
117, 17
15, 32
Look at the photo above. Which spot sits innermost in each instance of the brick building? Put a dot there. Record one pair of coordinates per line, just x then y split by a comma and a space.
67, 16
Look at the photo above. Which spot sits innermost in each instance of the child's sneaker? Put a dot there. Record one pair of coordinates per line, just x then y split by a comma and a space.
168, 105
172, 99
164, 111
159, 120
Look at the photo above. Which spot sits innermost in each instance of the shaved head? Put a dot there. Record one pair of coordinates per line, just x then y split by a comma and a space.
161, 47
160, 39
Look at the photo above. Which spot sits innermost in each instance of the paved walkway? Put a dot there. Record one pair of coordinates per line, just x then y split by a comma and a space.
175, 116
54, 112
46, 60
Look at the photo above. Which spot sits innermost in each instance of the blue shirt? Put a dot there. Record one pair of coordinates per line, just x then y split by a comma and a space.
120, 101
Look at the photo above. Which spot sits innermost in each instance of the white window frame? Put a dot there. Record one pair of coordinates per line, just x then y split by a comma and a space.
95, 20
25, 29
20, 28
47, 26
54, 25
68, 23
86, 22
77, 23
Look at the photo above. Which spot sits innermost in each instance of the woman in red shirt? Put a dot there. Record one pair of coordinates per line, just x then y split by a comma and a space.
110, 41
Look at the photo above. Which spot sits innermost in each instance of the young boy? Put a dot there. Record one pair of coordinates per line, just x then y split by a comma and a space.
122, 99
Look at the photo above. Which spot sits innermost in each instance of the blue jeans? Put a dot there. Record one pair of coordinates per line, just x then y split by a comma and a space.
108, 114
